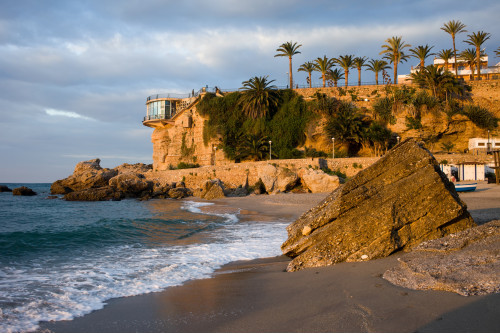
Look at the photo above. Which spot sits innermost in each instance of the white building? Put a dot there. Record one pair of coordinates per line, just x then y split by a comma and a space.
481, 144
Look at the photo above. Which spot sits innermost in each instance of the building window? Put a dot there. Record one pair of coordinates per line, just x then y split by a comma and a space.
481, 144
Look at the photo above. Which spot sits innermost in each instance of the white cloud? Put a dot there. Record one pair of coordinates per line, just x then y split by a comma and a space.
63, 113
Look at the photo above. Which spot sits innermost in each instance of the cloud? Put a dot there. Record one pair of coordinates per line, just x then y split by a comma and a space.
63, 113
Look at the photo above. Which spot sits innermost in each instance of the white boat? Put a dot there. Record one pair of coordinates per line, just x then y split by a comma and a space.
465, 186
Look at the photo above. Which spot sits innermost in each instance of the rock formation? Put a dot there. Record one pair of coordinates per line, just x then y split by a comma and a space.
4, 189
212, 189
87, 174
23, 191
467, 262
318, 181
395, 204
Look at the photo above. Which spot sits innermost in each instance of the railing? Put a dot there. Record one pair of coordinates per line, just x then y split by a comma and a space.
153, 117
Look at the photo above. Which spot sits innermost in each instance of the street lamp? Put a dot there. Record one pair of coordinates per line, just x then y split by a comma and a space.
270, 157
398, 139
333, 148
488, 146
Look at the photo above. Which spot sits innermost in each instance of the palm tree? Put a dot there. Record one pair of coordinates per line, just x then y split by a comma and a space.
376, 65
252, 147
309, 68
346, 62
497, 52
445, 55
477, 40
258, 96
288, 49
453, 28
335, 75
422, 52
469, 57
323, 65
394, 52
359, 62
433, 78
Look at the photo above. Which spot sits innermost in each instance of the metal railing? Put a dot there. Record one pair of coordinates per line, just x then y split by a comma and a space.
161, 116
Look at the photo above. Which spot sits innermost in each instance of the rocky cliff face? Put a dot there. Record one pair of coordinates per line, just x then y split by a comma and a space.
395, 204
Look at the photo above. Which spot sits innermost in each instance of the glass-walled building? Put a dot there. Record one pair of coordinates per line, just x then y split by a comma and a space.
160, 109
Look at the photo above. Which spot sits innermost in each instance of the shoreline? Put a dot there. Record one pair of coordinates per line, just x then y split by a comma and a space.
258, 296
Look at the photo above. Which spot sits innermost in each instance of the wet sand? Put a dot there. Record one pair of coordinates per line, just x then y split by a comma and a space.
258, 296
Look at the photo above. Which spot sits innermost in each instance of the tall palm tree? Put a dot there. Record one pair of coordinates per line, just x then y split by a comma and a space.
335, 75
308, 67
360, 62
422, 52
477, 39
258, 96
322, 65
454, 28
288, 49
376, 66
445, 55
346, 62
394, 52
469, 57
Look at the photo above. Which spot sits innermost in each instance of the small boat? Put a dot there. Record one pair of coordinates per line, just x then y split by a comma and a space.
465, 186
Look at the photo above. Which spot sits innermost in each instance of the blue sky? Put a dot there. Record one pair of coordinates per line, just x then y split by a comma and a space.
74, 75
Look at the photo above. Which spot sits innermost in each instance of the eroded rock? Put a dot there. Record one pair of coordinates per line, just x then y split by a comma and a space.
4, 189
318, 181
467, 262
400, 201
23, 191
95, 194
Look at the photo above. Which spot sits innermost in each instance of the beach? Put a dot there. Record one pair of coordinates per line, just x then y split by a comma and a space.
259, 296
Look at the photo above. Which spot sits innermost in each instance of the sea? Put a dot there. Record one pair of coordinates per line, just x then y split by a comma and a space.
60, 259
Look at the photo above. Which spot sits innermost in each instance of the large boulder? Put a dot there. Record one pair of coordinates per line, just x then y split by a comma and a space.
466, 262
131, 184
95, 194
87, 174
212, 189
23, 191
137, 168
178, 193
318, 181
400, 201
268, 175
286, 179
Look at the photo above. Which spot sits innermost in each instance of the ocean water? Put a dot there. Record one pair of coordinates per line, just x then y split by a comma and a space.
60, 259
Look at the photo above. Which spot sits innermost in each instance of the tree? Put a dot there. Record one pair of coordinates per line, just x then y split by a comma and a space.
441, 83
445, 55
309, 68
359, 62
346, 62
334, 75
288, 49
453, 28
469, 57
252, 147
477, 39
258, 96
422, 52
394, 52
447, 146
376, 65
322, 65
346, 124
497, 52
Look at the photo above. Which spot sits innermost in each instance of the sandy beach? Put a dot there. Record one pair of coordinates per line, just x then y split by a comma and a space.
259, 296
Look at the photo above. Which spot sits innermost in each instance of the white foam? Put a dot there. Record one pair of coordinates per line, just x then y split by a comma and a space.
61, 291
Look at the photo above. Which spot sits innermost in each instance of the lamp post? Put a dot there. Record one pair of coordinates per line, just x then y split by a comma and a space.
270, 156
398, 139
488, 145
333, 148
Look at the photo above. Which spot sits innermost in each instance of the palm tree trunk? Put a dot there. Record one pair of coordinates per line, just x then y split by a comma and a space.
455, 55
359, 76
310, 83
290, 71
324, 80
395, 73
346, 78
376, 78
478, 56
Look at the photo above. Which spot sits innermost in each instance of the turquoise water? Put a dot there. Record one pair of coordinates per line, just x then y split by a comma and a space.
62, 259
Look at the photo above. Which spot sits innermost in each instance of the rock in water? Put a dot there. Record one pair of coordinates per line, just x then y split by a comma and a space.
395, 204
23, 191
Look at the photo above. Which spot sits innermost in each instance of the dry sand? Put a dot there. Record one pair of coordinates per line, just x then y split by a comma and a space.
258, 296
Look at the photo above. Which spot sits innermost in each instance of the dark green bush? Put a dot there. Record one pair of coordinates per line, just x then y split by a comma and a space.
481, 117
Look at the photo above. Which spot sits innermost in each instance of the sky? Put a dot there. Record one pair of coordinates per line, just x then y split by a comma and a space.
75, 75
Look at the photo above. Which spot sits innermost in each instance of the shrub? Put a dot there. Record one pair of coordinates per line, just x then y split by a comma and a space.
185, 165
481, 117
